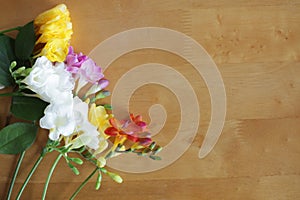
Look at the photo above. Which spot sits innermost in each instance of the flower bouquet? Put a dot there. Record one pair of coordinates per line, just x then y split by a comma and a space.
54, 88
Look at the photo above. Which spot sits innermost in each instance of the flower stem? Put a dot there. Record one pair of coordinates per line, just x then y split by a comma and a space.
11, 94
12, 183
50, 174
11, 29
29, 175
83, 184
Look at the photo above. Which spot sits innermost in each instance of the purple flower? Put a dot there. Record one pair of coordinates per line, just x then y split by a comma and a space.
83, 67
74, 61
90, 72
84, 70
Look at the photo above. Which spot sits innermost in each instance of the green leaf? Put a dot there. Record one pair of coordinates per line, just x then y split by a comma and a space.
17, 137
6, 57
28, 108
25, 41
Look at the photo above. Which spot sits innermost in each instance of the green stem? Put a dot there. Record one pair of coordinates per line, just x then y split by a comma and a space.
83, 184
12, 183
29, 175
50, 174
11, 29
11, 94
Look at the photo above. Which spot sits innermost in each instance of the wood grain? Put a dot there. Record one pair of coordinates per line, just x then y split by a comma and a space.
255, 45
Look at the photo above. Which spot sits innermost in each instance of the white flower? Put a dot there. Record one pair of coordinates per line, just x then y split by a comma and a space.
51, 82
89, 135
64, 115
59, 119
2, 86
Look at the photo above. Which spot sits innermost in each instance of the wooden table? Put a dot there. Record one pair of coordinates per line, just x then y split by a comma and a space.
256, 46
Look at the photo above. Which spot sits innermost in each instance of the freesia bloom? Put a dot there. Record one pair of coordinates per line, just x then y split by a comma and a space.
87, 132
53, 29
74, 60
134, 129
99, 117
83, 67
86, 71
71, 120
59, 119
55, 50
51, 82
90, 72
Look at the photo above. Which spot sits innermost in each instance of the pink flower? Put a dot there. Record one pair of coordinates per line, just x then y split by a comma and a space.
90, 72
83, 67
134, 129
74, 61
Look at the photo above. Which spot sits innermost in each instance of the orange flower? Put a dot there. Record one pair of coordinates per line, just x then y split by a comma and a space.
134, 129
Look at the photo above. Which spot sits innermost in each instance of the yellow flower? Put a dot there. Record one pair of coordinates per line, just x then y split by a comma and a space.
99, 117
58, 30
53, 29
55, 50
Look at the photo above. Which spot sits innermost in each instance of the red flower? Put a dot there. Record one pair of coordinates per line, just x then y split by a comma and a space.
134, 129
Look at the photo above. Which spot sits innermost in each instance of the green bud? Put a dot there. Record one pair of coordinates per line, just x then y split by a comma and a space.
115, 177
98, 182
152, 145
76, 160
159, 148
155, 157
74, 169
20, 70
13, 64
27, 71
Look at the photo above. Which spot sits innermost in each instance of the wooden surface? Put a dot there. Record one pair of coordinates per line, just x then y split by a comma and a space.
256, 46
